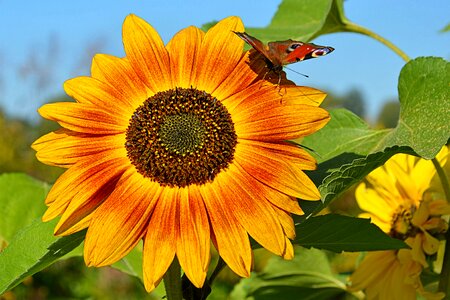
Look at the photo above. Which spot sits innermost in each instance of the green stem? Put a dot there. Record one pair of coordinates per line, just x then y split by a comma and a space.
359, 29
220, 265
172, 281
444, 280
443, 178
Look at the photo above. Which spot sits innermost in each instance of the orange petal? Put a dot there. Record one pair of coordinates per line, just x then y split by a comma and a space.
183, 51
276, 174
284, 151
63, 148
160, 240
82, 188
147, 54
247, 202
277, 123
85, 118
120, 75
219, 54
239, 79
286, 222
193, 243
89, 90
121, 221
269, 96
229, 237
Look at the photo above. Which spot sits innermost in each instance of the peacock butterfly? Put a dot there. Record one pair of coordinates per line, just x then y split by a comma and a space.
281, 53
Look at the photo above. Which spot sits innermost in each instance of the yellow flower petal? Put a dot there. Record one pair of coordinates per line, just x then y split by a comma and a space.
147, 54
183, 51
219, 54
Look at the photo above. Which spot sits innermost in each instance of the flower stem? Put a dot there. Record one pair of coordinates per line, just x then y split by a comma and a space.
359, 29
444, 280
443, 178
172, 281
220, 265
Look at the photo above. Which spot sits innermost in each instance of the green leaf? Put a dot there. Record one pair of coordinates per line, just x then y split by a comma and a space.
341, 233
307, 276
21, 202
345, 133
424, 95
296, 19
347, 149
31, 250
132, 263
336, 20
446, 28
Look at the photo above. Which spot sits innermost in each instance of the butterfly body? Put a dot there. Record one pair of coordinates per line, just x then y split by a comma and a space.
281, 53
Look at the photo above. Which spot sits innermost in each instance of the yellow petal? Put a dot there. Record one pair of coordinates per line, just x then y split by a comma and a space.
147, 54
125, 215
183, 51
220, 52
229, 237
193, 242
160, 240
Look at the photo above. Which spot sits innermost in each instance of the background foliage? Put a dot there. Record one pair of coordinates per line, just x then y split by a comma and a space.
347, 149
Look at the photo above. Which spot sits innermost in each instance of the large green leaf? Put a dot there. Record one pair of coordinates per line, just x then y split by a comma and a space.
348, 150
341, 233
307, 276
21, 202
424, 95
31, 250
296, 19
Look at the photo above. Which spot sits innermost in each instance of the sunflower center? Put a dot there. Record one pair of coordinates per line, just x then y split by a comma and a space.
181, 137
182, 134
401, 226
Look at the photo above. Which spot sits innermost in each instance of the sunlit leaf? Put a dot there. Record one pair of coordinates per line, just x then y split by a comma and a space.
307, 276
31, 250
348, 149
21, 202
339, 233
424, 96
446, 28
295, 19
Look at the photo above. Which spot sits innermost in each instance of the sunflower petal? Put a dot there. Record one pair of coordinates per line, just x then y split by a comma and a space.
86, 118
229, 237
126, 220
278, 123
183, 51
147, 54
120, 75
63, 148
240, 78
84, 186
193, 242
270, 96
220, 52
246, 201
276, 174
160, 241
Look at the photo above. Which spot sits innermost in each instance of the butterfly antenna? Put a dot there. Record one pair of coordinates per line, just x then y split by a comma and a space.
296, 72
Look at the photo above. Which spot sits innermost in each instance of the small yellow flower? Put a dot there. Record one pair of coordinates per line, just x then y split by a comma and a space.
180, 145
396, 199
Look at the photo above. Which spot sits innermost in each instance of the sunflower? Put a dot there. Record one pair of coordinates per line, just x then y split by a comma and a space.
397, 199
179, 145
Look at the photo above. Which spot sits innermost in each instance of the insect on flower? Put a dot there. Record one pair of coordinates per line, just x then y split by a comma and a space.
281, 53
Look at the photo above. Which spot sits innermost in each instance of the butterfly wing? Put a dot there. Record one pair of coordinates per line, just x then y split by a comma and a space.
255, 43
290, 51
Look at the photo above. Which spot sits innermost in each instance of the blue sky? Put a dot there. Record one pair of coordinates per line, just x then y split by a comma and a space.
79, 28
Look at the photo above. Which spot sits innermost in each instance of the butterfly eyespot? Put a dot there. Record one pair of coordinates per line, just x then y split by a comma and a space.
293, 47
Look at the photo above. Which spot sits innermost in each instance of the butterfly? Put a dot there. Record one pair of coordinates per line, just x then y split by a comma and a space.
281, 53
